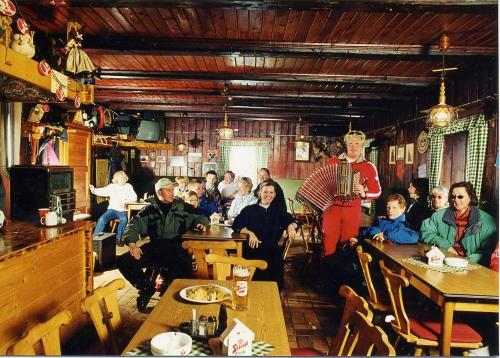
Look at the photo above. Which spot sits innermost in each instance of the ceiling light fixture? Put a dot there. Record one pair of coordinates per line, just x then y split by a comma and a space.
442, 114
181, 147
299, 142
226, 132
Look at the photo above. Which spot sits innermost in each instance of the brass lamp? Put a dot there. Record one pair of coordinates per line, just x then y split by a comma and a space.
442, 114
181, 147
225, 132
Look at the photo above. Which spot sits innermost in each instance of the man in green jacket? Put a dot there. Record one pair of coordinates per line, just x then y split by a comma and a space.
164, 221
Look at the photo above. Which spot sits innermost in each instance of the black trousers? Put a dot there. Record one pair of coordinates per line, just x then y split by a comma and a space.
157, 253
275, 265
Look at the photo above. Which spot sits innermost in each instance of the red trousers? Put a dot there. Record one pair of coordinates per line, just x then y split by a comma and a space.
340, 223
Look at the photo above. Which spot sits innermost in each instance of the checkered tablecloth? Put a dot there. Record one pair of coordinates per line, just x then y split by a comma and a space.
444, 268
202, 349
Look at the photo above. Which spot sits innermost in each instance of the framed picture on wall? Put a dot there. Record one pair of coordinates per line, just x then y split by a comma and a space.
144, 158
160, 159
392, 154
302, 151
400, 152
409, 153
206, 166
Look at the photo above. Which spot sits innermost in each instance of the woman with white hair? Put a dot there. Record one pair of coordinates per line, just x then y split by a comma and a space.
119, 192
439, 197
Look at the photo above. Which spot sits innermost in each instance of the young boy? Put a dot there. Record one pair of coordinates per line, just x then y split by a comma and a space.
393, 227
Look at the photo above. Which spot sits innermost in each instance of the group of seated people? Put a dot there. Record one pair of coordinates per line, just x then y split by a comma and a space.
183, 205
452, 222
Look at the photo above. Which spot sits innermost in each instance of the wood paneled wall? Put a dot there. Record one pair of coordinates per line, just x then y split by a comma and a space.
472, 91
281, 154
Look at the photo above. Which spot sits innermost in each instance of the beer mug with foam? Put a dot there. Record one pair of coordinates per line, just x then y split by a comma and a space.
241, 277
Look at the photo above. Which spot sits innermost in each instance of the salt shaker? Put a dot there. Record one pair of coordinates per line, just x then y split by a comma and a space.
202, 326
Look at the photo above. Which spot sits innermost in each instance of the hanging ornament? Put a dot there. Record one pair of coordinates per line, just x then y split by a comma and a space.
46, 108
23, 26
78, 101
60, 94
7, 7
44, 68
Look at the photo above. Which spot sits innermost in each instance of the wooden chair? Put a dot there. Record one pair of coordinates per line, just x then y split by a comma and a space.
222, 265
199, 249
353, 303
366, 339
416, 328
114, 224
107, 319
5, 175
301, 220
374, 300
47, 333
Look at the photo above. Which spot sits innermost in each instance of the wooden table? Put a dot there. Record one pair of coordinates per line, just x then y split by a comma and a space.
470, 291
217, 233
264, 315
134, 206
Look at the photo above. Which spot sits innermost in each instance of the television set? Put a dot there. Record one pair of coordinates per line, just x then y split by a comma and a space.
148, 131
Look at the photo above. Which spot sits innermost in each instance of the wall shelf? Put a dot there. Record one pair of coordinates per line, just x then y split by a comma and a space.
108, 141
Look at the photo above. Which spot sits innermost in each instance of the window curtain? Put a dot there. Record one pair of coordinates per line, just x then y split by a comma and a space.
262, 149
476, 149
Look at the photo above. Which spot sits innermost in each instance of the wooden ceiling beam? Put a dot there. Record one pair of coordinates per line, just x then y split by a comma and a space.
269, 78
148, 46
110, 91
107, 90
478, 6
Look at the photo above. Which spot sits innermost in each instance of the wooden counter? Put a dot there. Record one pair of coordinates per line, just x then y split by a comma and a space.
44, 270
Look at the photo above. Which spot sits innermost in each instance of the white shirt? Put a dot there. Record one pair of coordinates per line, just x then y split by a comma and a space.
226, 190
118, 195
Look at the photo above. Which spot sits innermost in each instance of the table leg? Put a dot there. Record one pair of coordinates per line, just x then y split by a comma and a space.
446, 325
239, 248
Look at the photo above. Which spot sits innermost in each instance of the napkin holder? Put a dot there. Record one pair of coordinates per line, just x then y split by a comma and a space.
435, 257
237, 339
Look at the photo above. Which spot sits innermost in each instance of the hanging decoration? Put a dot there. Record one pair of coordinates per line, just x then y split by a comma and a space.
7, 7
44, 68
77, 61
195, 142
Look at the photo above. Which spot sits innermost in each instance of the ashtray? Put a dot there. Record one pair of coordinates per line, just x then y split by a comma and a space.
185, 327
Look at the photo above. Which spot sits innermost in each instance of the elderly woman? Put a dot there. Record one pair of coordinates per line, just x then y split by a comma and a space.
264, 222
119, 192
417, 209
243, 198
462, 229
439, 198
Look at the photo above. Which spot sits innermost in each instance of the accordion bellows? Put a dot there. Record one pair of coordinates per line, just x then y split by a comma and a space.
328, 184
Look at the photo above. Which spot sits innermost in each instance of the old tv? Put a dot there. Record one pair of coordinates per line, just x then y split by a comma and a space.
148, 131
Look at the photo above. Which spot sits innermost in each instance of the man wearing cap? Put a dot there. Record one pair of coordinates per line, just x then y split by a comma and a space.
342, 220
164, 221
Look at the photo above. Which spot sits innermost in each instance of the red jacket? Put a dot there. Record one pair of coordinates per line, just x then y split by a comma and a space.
368, 178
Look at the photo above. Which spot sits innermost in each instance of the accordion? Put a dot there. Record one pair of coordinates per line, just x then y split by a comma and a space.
327, 184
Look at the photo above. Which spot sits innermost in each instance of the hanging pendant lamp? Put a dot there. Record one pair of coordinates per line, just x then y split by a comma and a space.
225, 132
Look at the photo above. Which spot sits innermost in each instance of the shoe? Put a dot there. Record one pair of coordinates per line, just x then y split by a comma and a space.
120, 243
143, 299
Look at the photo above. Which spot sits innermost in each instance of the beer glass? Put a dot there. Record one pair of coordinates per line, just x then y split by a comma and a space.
241, 276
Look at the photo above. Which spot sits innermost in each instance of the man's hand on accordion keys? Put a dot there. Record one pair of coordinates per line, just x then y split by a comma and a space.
359, 189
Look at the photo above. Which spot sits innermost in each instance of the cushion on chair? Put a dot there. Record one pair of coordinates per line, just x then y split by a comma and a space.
428, 329
305, 352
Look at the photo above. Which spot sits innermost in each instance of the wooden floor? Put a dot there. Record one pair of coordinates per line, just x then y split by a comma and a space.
311, 317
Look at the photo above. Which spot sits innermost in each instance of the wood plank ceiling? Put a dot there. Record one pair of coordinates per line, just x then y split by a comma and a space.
279, 59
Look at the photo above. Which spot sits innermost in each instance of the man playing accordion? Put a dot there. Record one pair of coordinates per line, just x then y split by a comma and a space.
342, 220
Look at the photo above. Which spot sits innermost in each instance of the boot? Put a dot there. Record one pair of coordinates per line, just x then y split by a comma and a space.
145, 295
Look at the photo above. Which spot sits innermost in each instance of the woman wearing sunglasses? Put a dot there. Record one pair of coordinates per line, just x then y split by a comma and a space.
462, 229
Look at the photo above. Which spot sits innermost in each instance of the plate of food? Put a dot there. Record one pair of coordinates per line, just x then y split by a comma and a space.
205, 293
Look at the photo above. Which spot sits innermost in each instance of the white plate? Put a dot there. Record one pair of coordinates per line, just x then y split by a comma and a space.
456, 262
227, 295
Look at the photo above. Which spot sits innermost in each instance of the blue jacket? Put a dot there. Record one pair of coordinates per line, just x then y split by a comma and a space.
396, 230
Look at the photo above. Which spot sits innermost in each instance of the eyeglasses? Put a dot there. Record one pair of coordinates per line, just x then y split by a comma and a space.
433, 196
456, 196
